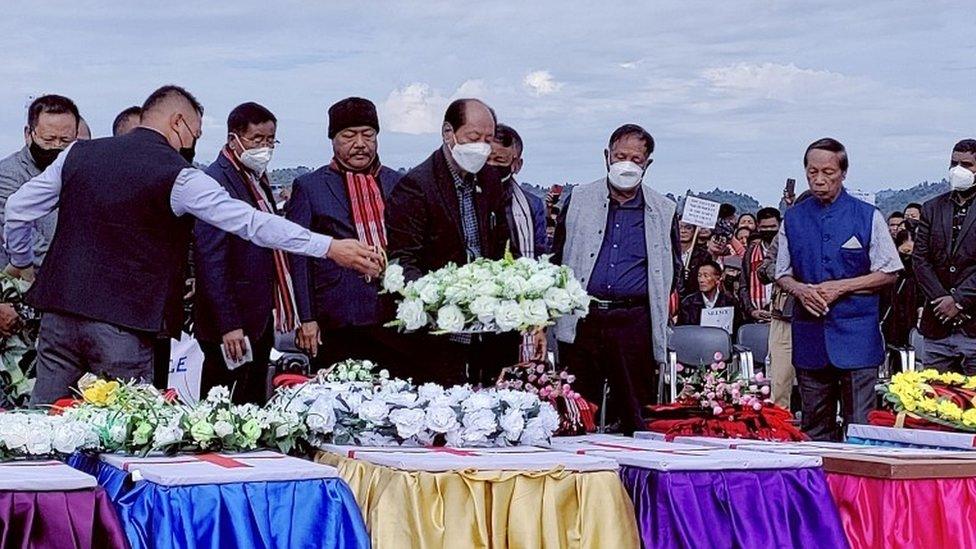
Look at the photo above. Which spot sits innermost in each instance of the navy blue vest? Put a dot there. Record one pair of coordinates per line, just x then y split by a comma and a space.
119, 253
849, 336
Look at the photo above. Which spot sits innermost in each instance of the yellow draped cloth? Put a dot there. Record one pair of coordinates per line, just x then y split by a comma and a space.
490, 509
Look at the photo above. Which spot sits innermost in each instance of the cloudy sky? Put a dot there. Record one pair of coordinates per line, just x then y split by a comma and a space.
732, 91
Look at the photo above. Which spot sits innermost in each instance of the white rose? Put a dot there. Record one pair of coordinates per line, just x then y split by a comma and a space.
558, 299
508, 316
223, 428
408, 421
218, 394
535, 312
407, 399
539, 283
479, 400
353, 401
13, 434
411, 312
458, 393
321, 415
534, 433
520, 400
166, 434
370, 438
440, 419
487, 288
116, 433
68, 437
393, 280
38, 441
374, 411
430, 293
512, 423
484, 307
482, 420
450, 318
548, 416
512, 285
429, 391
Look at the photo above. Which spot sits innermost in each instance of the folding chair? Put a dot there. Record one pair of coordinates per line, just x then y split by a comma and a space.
752, 346
909, 358
692, 346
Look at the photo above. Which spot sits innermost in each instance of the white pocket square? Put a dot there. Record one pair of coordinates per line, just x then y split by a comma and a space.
852, 244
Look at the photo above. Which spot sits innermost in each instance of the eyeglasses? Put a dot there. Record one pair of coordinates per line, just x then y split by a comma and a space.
262, 141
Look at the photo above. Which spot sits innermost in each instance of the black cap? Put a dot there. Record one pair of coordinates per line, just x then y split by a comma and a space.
352, 112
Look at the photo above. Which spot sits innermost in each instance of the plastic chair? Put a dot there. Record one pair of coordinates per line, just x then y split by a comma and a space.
752, 346
693, 346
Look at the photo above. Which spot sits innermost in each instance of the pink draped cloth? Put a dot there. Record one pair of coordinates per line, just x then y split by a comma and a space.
924, 513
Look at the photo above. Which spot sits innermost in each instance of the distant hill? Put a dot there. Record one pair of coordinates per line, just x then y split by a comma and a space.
888, 200
284, 177
891, 200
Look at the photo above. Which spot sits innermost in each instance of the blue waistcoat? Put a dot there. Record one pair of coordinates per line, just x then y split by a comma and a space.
849, 336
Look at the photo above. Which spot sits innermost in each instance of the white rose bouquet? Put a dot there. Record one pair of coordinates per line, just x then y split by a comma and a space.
487, 296
393, 412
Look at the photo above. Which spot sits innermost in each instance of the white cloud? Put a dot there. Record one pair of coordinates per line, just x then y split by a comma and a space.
418, 109
775, 81
414, 109
541, 83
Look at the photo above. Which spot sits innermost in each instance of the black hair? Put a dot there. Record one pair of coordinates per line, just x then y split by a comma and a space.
828, 144
457, 112
632, 129
50, 104
246, 114
165, 92
768, 213
726, 210
745, 214
894, 215
903, 236
915, 205
709, 263
134, 110
507, 136
966, 146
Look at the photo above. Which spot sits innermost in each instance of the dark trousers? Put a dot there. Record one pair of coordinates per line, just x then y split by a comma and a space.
69, 346
953, 353
822, 389
249, 381
615, 347
162, 347
444, 360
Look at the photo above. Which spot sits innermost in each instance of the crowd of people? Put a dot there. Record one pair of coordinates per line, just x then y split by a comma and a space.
110, 227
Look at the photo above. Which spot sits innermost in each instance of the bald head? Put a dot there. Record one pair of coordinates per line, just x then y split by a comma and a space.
468, 121
175, 113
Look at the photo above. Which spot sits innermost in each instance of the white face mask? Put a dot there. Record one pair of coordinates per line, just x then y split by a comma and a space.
625, 175
961, 179
471, 157
256, 159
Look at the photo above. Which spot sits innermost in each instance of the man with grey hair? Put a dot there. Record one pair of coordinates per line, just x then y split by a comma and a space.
620, 237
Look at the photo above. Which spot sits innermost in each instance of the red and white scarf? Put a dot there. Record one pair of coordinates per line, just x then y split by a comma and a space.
285, 318
757, 290
366, 204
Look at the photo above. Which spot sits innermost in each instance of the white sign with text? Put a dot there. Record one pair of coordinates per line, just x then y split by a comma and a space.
700, 212
718, 317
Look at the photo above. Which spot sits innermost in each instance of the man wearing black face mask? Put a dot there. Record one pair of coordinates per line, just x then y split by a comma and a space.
52, 124
755, 296
114, 278
526, 211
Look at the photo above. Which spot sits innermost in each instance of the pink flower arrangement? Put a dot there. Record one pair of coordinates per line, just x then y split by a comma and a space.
718, 389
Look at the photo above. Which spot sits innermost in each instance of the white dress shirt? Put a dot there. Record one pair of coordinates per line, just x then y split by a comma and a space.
194, 193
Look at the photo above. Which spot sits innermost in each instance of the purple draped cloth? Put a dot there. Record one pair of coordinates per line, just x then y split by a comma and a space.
754, 509
81, 519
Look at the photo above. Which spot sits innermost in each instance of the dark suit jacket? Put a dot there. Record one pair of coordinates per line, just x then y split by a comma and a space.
423, 218
689, 313
941, 271
333, 296
235, 279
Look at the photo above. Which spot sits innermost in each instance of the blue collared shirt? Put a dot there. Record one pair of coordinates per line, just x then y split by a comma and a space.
620, 271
